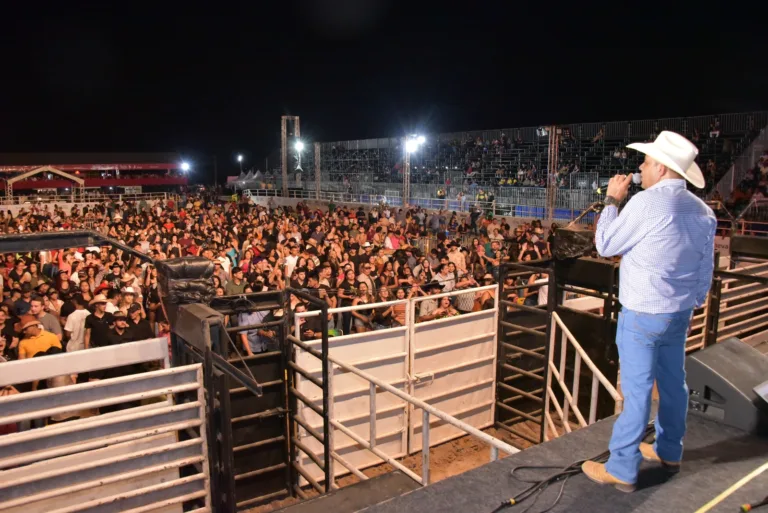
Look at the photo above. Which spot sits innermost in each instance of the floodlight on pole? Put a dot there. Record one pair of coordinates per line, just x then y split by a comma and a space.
299, 146
411, 145
185, 166
421, 139
240, 161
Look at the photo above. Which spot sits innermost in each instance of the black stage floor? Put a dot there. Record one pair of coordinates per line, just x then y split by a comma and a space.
715, 457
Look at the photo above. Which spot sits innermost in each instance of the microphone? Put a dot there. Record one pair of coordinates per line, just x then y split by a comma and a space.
637, 178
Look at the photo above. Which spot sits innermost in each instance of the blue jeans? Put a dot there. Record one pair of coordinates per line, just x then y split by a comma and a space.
651, 347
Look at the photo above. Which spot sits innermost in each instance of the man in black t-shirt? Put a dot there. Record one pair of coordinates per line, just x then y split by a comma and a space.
113, 278
139, 328
119, 333
97, 325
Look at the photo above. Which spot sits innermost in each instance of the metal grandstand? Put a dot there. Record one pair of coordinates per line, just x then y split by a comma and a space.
509, 166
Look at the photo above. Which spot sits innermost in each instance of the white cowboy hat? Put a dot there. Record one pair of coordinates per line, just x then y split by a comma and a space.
677, 153
101, 298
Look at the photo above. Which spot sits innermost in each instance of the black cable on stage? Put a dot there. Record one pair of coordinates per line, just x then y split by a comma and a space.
562, 475
750, 507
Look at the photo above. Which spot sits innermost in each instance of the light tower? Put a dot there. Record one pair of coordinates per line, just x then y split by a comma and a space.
294, 132
411, 143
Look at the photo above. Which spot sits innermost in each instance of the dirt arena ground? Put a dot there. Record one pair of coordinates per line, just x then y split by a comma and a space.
446, 460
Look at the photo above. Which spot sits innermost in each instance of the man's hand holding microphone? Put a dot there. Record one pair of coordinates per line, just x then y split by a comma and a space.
618, 187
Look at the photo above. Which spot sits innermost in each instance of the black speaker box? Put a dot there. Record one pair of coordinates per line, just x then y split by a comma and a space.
722, 380
573, 243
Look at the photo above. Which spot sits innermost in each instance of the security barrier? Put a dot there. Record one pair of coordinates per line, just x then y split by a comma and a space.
448, 363
131, 459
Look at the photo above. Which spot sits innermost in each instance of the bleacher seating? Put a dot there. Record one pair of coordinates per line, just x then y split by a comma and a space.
517, 157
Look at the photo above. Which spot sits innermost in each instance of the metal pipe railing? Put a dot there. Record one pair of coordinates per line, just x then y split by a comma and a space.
427, 411
571, 396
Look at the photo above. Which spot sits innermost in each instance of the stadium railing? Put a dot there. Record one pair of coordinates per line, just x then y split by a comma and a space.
570, 395
500, 207
88, 198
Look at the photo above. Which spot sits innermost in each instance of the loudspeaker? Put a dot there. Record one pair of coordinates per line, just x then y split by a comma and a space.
722, 380
573, 243
183, 281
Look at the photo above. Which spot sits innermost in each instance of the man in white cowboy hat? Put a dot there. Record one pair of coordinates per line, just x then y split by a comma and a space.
665, 236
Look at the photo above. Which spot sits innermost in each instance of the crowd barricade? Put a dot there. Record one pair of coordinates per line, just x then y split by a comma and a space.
557, 385
22, 199
453, 367
383, 354
150, 455
448, 363
739, 298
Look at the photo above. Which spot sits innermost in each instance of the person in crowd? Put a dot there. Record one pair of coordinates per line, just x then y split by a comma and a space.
75, 325
427, 306
119, 333
9, 337
49, 322
34, 338
98, 324
257, 339
362, 318
138, 325
237, 284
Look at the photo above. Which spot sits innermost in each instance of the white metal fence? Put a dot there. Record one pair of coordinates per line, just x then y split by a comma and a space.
453, 367
384, 354
130, 459
23, 199
743, 307
448, 364
571, 393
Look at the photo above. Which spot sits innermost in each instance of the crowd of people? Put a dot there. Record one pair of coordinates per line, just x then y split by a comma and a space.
78, 298
753, 186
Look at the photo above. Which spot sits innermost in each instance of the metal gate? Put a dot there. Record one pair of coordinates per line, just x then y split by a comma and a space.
381, 353
448, 363
522, 354
569, 413
248, 409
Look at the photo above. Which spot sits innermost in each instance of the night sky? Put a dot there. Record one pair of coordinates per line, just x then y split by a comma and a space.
206, 80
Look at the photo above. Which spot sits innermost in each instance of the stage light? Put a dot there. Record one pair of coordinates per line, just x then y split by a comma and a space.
299, 146
421, 139
185, 166
239, 158
411, 145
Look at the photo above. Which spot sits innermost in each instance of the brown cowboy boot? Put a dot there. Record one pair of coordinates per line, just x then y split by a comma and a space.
597, 473
649, 454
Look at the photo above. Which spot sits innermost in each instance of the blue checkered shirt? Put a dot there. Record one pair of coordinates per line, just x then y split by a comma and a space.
666, 237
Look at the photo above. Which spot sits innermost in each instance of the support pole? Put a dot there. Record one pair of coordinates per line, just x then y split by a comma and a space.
317, 170
216, 172
295, 134
284, 153
406, 175
552, 166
